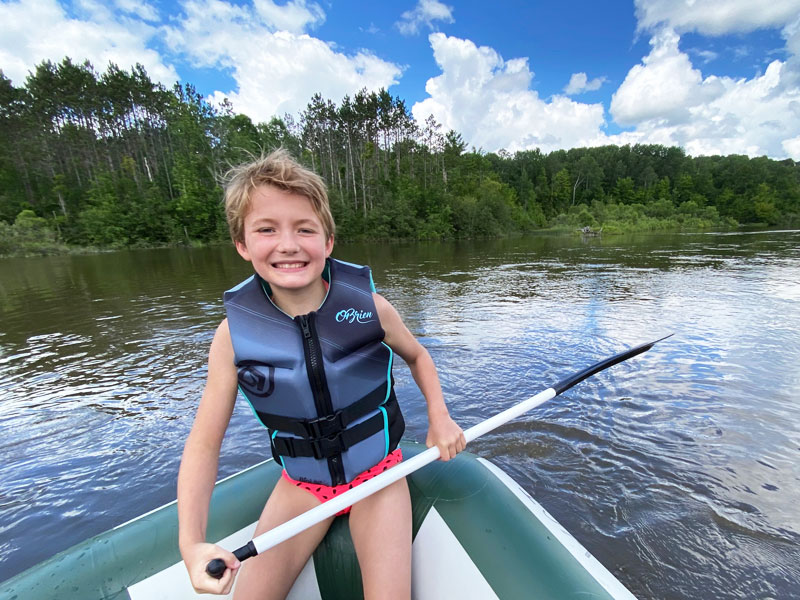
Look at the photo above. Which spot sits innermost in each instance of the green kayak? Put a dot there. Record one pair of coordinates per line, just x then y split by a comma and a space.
477, 535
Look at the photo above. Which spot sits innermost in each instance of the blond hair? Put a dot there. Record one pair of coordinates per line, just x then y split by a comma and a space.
278, 169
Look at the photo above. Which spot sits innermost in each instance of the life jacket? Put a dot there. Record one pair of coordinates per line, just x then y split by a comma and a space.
322, 382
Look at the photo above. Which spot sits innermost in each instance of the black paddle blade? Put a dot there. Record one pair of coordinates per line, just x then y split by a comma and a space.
565, 384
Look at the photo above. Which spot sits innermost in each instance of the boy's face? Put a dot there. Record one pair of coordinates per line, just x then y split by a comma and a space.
284, 239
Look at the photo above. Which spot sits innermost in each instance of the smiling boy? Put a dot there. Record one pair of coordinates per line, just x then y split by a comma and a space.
310, 345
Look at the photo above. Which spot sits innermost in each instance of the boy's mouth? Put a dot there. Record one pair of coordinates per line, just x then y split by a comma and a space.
289, 265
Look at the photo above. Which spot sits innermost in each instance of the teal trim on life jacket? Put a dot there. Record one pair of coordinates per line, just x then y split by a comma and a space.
279, 456
388, 393
388, 372
385, 430
253, 408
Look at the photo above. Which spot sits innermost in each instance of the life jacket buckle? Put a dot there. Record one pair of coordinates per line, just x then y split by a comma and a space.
325, 427
326, 447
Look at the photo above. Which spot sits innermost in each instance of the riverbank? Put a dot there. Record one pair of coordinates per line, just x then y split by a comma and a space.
13, 245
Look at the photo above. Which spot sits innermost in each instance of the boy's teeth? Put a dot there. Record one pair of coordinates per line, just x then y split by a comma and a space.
289, 265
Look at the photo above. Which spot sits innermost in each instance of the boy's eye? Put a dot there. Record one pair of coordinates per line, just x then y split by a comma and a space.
266, 229
306, 230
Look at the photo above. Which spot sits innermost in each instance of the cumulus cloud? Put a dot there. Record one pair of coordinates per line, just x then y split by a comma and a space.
489, 101
424, 15
277, 68
713, 17
667, 100
663, 100
792, 147
665, 86
295, 16
580, 83
39, 30
670, 102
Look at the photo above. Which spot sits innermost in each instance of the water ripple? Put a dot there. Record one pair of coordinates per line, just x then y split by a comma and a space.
677, 469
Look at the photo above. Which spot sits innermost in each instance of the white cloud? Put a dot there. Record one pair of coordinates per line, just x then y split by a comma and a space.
580, 83
714, 17
38, 30
143, 10
665, 86
706, 56
665, 100
792, 148
424, 14
670, 102
276, 70
711, 17
489, 101
295, 16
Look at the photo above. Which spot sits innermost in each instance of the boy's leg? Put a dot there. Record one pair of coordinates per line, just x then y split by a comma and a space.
380, 526
272, 573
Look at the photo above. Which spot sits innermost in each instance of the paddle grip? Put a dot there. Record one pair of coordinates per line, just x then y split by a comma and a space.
216, 567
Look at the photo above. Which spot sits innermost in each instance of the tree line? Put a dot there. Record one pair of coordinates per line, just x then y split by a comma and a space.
113, 159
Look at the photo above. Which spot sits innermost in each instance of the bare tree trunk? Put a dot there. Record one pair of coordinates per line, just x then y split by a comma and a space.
575, 187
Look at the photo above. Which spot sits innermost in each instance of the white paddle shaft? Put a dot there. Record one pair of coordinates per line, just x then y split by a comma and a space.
283, 532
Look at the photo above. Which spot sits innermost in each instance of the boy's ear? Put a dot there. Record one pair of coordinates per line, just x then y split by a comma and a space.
329, 246
242, 250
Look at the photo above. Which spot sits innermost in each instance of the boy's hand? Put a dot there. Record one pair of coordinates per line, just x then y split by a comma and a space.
197, 556
445, 434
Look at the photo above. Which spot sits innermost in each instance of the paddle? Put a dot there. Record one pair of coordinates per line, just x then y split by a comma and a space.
273, 537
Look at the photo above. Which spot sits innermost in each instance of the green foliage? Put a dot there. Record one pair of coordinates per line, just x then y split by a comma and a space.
28, 235
103, 220
114, 160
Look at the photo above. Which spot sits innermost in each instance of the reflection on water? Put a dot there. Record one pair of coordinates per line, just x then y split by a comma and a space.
678, 470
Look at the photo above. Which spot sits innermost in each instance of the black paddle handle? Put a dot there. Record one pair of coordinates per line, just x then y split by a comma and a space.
216, 568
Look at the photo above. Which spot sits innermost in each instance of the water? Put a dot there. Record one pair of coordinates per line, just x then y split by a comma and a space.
678, 469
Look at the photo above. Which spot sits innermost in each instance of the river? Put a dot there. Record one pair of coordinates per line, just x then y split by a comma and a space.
679, 470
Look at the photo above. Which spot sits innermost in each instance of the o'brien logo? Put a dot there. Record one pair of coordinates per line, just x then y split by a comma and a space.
351, 315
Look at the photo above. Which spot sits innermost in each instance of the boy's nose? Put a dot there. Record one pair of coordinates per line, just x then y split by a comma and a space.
288, 243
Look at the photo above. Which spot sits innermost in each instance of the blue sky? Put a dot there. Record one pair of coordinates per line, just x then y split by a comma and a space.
713, 76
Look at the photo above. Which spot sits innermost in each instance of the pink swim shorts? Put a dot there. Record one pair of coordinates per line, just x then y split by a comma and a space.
326, 492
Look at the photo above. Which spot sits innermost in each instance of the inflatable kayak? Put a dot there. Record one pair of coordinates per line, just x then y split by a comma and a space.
477, 535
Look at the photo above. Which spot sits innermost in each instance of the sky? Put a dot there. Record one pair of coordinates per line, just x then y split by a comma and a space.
711, 76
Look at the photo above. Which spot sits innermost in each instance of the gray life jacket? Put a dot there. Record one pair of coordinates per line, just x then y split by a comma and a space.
322, 382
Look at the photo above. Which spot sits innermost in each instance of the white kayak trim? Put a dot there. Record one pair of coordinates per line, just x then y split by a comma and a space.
592, 566
441, 567
173, 582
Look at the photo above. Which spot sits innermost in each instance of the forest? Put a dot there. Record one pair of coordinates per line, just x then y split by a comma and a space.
111, 159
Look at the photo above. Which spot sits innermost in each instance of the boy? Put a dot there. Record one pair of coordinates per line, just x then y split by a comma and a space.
302, 343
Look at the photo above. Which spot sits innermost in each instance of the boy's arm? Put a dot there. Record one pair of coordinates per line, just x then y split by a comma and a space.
198, 469
442, 430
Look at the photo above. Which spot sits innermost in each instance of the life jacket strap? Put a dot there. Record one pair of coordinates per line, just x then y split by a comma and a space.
326, 447
329, 425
